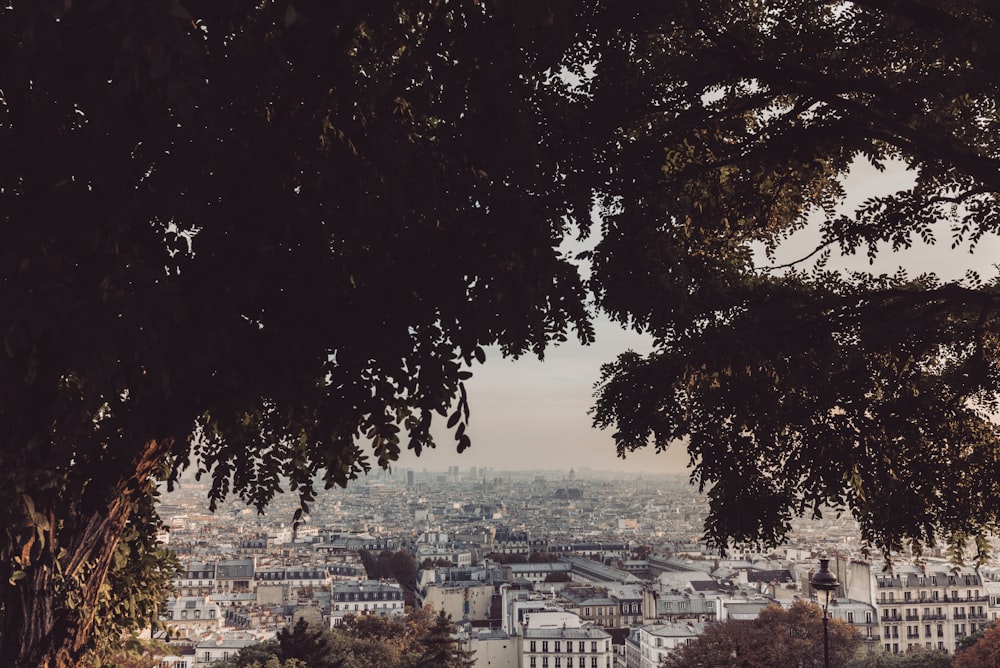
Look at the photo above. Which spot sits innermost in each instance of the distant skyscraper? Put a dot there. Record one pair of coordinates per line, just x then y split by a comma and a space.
409, 478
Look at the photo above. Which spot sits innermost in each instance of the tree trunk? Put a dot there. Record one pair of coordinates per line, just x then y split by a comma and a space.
47, 620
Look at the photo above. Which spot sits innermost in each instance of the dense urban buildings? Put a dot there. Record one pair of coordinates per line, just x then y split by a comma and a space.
538, 569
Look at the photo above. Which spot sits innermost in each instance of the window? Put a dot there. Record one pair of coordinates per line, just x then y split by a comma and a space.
545, 662
532, 662
593, 645
558, 662
850, 617
569, 646
581, 646
593, 662
545, 646
557, 647
569, 662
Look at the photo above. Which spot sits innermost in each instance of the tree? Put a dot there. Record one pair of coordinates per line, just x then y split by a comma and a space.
310, 645
417, 640
984, 652
267, 240
778, 638
732, 125
441, 649
913, 658
965, 642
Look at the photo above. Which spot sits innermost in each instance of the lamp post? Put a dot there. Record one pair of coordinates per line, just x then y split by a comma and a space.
825, 581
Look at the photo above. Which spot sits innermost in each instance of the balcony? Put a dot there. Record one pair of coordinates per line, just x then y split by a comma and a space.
913, 618
935, 616
959, 615
977, 615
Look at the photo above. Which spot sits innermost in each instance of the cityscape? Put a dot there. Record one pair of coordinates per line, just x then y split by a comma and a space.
536, 568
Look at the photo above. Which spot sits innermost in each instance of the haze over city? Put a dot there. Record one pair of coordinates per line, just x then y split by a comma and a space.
528, 414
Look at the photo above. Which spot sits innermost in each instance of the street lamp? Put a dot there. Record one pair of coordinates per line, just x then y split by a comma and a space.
825, 581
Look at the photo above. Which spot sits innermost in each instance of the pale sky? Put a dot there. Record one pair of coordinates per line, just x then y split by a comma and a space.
528, 414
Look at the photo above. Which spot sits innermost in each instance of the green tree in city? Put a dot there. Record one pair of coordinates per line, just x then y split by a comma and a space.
797, 388
267, 240
440, 649
418, 639
920, 657
777, 638
982, 652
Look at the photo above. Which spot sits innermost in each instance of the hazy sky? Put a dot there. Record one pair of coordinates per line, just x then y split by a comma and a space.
529, 414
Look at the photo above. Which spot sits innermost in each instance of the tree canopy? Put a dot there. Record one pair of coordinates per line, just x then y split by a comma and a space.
802, 388
982, 651
421, 639
917, 657
778, 638
266, 239
270, 239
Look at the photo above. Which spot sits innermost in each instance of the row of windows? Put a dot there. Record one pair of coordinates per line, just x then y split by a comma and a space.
912, 614
894, 647
935, 595
369, 596
933, 579
557, 646
375, 606
197, 614
557, 662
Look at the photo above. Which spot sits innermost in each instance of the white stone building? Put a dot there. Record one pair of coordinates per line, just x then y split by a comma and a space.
559, 640
365, 597
646, 646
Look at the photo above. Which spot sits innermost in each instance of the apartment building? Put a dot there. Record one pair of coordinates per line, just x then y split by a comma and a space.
365, 597
647, 646
928, 606
560, 640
